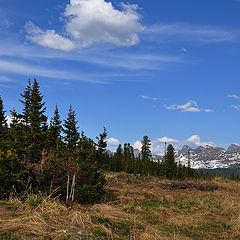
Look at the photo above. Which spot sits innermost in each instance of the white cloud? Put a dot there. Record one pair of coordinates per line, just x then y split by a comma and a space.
158, 146
158, 149
184, 32
91, 21
113, 142
150, 98
196, 140
237, 107
95, 56
207, 110
137, 145
166, 139
5, 79
183, 50
235, 96
9, 120
48, 38
28, 70
190, 106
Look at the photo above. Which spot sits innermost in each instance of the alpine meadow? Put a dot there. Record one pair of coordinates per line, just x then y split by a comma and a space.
119, 120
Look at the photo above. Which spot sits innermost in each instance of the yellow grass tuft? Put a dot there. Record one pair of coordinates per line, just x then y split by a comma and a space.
146, 208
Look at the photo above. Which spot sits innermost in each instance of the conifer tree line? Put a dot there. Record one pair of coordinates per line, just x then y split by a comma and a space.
37, 156
41, 155
125, 160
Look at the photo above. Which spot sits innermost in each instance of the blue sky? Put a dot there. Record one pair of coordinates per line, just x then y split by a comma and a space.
166, 69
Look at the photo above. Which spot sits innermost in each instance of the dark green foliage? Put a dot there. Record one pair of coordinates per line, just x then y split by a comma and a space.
117, 160
71, 131
124, 160
91, 180
69, 165
34, 123
146, 152
102, 157
3, 122
24, 119
12, 173
55, 130
170, 164
36, 157
38, 124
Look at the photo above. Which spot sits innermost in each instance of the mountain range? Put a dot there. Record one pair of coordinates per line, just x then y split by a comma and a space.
206, 157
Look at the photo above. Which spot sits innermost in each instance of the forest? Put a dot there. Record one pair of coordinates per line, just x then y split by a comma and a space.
54, 157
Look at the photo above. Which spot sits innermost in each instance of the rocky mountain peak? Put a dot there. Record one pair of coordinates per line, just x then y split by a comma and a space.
233, 148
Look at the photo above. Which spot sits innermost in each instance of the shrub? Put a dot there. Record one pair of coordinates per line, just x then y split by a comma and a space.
12, 173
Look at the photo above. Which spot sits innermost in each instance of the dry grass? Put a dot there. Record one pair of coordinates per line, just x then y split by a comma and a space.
144, 209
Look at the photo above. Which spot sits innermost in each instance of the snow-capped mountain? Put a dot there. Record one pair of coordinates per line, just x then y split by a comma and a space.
206, 157
209, 157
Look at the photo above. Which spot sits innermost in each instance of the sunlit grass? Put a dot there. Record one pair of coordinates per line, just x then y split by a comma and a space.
143, 209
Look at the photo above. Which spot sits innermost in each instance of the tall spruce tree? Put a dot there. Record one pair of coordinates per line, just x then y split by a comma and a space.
102, 156
118, 159
26, 101
146, 154
34, 122
71, 131
38, 123
17, 134
55, 129
25, 119
171, 166
3, 121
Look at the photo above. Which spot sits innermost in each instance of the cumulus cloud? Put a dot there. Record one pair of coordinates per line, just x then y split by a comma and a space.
158, 149
9, 120
113, 142
48, 38
190, 106
196, 140
137, 145
158, 145
166, 139
91, 21
235, 96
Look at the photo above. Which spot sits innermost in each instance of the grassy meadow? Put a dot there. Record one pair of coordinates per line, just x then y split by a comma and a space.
135, 208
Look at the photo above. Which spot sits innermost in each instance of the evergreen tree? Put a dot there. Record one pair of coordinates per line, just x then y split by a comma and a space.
102, 156
90, 178
146, 153
118, 159
71, 131
26, 113
17, 134
3, 121
34, 122
126, 155
38, 123
171, 165
25, 119
12, 173
55, 129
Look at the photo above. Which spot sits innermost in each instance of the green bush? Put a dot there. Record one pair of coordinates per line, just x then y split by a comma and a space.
89, 193
12, 173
